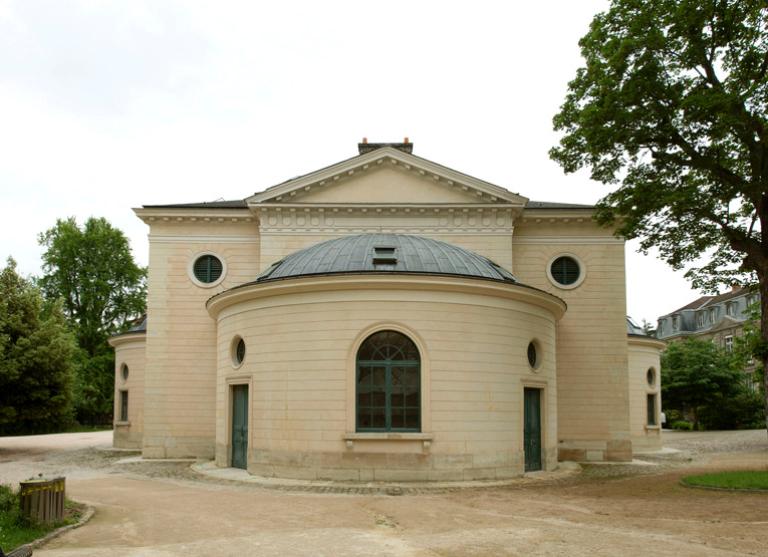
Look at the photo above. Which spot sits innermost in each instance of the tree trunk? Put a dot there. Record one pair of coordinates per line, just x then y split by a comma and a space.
764, 344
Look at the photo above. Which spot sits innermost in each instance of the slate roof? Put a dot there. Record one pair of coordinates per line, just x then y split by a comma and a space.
139, 326
241, 204
555, 205
707, 301
232, 204
633, 328
409, 254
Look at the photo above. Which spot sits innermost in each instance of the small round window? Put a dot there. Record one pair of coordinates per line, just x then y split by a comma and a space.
124, 372
207, 268
238, 351
533, 355
565, 271
650, 376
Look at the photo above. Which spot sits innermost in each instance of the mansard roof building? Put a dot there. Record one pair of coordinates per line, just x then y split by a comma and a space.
719, 318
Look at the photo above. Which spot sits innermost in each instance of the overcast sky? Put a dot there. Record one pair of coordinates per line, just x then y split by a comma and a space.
105, 106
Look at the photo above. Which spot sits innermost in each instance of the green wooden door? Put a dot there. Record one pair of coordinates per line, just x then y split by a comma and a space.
532, 429
239, 426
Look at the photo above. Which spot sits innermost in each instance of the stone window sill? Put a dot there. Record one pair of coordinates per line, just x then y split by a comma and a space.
424, 438
122, 424
653, 427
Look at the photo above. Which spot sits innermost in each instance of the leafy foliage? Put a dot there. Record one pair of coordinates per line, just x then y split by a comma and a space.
748, 346
672, 105
91, 270
36, 352
704, 379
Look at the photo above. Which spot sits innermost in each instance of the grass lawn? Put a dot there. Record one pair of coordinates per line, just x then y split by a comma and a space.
15, 531
756, 479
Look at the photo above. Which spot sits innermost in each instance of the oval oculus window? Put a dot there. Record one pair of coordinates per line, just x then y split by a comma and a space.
650, 376
565, 270
124, 372
533, 356
207, 268
238, 354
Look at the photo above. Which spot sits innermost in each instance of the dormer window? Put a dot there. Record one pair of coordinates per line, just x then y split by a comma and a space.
700, 319
675, 322
384, 257
712, 315
730, 309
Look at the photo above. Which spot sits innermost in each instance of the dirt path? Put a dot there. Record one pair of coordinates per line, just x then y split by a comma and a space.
164, 509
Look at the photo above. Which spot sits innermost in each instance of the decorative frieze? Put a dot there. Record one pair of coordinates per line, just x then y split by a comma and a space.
432, 220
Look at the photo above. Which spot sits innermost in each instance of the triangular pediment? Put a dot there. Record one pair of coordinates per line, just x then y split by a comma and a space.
387, 176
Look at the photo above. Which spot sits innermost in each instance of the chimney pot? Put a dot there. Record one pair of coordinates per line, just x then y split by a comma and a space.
405, 140
365, 141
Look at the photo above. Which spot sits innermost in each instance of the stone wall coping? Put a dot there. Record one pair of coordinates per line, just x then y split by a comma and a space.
405, 436
388, 436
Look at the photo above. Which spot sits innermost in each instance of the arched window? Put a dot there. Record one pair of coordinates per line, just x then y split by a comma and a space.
388, 383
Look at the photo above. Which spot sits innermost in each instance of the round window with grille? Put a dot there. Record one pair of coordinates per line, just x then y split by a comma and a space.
565, 271
208, 268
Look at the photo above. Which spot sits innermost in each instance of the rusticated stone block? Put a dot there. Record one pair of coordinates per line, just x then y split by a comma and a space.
619, 450
577, 455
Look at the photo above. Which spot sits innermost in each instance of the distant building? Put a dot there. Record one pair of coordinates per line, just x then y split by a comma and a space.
720, 319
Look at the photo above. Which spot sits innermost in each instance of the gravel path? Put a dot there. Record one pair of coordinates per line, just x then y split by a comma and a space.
164, 508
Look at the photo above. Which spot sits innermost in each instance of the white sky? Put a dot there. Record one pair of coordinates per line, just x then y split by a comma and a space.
105, 106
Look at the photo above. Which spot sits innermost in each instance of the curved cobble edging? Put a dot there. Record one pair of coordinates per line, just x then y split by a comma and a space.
731, 489
84, 518
199, 470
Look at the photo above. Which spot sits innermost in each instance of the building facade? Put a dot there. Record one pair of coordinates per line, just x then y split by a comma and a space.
719, 319
385, 318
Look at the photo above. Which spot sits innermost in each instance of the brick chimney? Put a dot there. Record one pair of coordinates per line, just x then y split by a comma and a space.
364, 147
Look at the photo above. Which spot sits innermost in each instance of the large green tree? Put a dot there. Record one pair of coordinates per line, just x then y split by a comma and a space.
36, 366
672, 106
92, 271
702, 378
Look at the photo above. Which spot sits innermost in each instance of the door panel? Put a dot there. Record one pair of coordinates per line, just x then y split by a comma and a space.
532, 429
240, 426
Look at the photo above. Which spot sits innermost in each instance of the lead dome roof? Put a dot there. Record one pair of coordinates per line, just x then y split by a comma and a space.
386, 253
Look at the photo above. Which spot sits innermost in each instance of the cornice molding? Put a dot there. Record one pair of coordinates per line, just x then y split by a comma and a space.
127, 338
560, 240
212, 216
542, 216
648, 342
206, 239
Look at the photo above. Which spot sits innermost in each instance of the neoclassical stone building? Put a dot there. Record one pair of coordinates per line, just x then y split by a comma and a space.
385, 318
